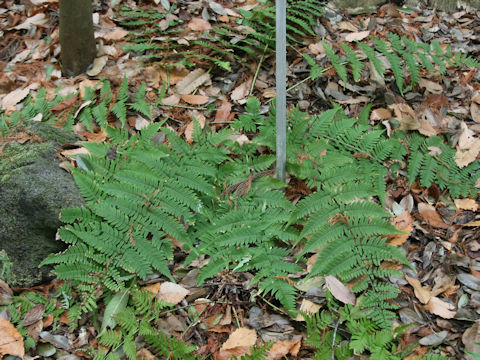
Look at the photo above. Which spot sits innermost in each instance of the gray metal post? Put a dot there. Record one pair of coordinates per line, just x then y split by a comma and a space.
281, 83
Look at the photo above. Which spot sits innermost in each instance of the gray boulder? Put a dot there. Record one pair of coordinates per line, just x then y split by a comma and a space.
33, 191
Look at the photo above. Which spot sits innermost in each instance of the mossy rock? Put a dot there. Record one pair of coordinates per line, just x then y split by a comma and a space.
33, 191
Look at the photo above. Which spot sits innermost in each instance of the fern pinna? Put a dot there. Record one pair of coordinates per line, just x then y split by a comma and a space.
403, 56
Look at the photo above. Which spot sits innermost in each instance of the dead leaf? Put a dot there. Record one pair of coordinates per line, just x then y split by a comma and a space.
193, 80
430, 86
339, 290
195, 99
223, 112
66, 104
153, 288
466, 204
241, 91
98, 65
421, 293
38, 19
14, 97
359, 35
171, 100
116, 34
403, 222
11, 341
238, 351
72, 153
190, 127
431, 216
198, 24
471, 338
464, 158
316, 48
33, 315
240, 337
380, 114
284, 347
441, 308
406, 116
171, 293
475, 112
240, 138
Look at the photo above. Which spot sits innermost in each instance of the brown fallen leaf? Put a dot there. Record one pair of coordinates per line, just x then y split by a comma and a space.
192, 81
339, 290
466, 204
431, 216
11, 341
223, 112
241, 91
471, 338
358, 35
441, 308
198, 24
237, 344
171, 293
191, 125
284, 347
475, 112
421, 293
237, 351
403, 222
33, 315
380, 114
195, 99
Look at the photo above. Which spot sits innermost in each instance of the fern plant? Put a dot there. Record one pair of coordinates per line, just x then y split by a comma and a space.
341, 333
134, 320
404, 56
255, 35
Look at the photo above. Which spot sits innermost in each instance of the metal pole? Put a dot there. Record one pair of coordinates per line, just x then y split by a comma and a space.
281, 83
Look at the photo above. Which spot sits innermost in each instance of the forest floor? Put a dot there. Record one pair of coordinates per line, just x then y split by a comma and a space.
443, 233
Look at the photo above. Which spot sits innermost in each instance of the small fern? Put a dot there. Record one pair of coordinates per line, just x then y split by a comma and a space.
403, 56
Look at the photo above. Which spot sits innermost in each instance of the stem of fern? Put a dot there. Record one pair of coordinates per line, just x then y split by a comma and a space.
257, 71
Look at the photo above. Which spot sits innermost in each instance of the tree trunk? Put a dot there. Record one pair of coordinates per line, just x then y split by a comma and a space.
76, 36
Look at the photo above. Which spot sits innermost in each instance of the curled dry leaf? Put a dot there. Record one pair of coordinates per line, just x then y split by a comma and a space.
380, 114
403, 222
421, 293
193, 80
339, 290
11, 340
284, 347
431, 216
98, 65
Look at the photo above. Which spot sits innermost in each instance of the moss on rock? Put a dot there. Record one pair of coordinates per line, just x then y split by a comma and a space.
33, 191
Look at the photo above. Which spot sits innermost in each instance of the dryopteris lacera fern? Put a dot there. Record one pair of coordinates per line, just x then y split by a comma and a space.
254, 33
134, 320
326, 333
402, 56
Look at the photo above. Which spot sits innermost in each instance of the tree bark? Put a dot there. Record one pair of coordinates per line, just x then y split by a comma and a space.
76, 36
